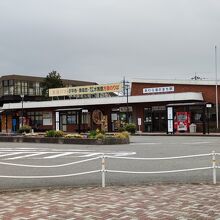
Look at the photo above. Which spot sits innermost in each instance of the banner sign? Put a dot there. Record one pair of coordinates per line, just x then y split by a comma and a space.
85, 90
170, 120
158, 90
57, 121
170, 113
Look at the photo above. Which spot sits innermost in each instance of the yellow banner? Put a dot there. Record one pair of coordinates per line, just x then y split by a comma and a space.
85, 90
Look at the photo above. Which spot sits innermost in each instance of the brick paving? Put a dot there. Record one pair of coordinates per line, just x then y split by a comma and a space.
171, 201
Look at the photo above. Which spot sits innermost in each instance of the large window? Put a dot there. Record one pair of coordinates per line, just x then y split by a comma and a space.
38, 88
30, 88
47, 118
71, 117
85, 118
8, 87
36, 118
24, 88
17, 88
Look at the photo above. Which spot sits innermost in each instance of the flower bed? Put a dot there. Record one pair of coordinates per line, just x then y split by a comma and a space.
93, 138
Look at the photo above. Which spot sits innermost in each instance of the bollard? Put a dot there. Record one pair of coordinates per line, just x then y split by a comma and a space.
214, 166
103, 170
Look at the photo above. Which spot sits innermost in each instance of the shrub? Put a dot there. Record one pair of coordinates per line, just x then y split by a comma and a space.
59, 134
120, 135
52, 133
130, 128
126, 134
100, 136
25, 129
92, 134
121, 129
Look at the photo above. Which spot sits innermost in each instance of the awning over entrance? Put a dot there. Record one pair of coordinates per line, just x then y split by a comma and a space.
201, 106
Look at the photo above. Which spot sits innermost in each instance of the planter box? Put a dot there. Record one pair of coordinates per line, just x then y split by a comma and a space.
56, 140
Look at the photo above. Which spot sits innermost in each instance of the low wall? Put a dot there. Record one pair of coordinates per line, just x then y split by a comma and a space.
56, 140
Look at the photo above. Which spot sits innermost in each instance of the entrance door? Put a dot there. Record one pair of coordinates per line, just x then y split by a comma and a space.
159, 121
147, 119
63, 122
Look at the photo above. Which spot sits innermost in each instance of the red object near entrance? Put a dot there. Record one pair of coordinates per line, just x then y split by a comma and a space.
182, 121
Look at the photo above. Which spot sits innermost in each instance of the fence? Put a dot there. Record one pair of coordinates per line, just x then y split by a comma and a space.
103, 170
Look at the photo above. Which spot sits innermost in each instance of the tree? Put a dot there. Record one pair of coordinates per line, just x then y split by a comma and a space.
52, 80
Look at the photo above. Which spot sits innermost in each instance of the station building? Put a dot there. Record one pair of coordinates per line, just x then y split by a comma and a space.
13, 86
153, 105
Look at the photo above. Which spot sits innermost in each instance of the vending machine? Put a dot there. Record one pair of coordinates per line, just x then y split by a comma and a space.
182, 121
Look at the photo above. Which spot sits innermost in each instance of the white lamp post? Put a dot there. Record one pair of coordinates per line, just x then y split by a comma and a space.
22, 109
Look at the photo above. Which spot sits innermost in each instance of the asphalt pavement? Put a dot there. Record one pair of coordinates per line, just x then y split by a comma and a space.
126, 196
13, 157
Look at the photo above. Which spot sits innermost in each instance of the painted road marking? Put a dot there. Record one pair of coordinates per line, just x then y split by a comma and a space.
91, 155
10, 154
59, 155
24, 156
42, 153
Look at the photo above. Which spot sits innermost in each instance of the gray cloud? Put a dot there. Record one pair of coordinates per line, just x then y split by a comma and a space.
104, 40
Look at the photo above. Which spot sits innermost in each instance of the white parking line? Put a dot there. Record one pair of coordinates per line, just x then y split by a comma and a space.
10, 154
41, 153
59, 155
24, 156
91, 155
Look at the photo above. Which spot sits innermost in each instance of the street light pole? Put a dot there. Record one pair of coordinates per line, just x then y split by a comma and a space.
22, 109
127, 117
216, 88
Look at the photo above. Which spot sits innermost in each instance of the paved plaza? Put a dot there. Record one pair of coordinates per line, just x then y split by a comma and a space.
167, 201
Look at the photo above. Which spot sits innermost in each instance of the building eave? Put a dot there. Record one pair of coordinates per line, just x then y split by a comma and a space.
175, 81
170, 97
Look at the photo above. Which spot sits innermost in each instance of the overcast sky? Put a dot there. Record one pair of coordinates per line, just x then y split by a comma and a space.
104, 40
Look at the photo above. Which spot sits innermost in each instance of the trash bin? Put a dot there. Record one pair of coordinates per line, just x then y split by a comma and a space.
192, 128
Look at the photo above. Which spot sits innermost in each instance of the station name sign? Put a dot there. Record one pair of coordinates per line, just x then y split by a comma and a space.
158, 90
85, 90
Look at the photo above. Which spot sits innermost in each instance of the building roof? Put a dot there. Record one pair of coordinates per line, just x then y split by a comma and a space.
175, 81
169, 97
40, 79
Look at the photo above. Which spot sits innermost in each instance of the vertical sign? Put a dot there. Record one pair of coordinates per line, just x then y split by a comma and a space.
57, 121
139, 121
170, 119
139, 124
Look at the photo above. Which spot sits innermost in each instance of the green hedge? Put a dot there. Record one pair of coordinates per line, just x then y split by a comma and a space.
25, 129
53, 133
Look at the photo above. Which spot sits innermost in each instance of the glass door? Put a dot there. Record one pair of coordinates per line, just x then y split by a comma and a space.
148, 120
63, 122
159, 121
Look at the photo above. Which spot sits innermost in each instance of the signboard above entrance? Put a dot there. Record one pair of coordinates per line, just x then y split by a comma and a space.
85, 90
158, 90
125, 109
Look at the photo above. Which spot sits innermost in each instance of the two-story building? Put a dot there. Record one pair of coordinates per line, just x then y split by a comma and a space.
153, 105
